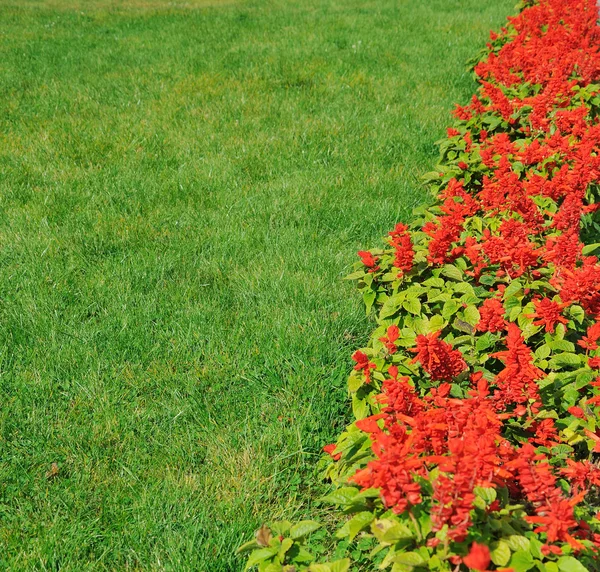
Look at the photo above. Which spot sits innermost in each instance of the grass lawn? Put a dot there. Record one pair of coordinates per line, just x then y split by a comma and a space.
182, 187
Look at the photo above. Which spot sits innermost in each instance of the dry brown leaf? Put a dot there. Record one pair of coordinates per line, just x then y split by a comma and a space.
53, 472
263, 535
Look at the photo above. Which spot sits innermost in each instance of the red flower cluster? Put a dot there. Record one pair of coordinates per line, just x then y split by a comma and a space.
548, 313
392, 335
368, 260
460, 437
403, 248
363, 364
492, 315
521, 178
438, 358
517, 381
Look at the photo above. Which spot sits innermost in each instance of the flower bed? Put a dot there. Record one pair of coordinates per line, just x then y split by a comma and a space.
477, 436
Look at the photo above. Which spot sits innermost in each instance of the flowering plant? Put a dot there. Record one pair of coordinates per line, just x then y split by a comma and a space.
476, 401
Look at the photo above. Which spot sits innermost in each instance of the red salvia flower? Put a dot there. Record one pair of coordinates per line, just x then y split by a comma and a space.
438, 358
548, 313
478, 558
517, 381
589, 341
403, 248
363, 364
369, 260
392, 334
329, 449
491, 316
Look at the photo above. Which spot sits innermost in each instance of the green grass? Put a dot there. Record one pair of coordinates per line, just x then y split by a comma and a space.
182, 188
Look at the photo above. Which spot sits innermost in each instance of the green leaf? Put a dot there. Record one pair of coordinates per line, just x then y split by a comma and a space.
563, 345
302, 556
450, 308
529, 330
286, 544
281, 527
535, 547
360, 407
488, 494
389, 530
261, 555
452, 271
514, 287
421, 325
471, 315
436, 323
357, 523
342, 496
564, 359
435, 282
409, 559
500, 553
511, 303
391, 305
303, 528
463, 288
412, 305
570, 564
355, 275
319, 568
514, 313
521, 561
430, 176
250, 545
368, 298
516, 542
407, 338
355, 382
340, 565
542, 352
545, 414
590, 248
485, 341
577, 313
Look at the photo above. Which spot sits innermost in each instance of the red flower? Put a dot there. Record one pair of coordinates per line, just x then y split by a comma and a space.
516, 211
438, 358
581, 285
491, 316
393, 333
402, 243
576, 411
548, 314
511, 249
478, 558
369, 260
548, 549
517, 381
588, 342
594, 362
363, 364
329, 449
369, 424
